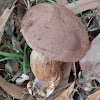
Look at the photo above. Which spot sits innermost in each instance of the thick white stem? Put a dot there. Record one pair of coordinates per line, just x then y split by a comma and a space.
47, 73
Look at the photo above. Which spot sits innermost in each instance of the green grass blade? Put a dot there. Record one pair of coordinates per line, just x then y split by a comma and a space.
43, 1
8, 75
10, 55
22, 63
51, 1
7, 58
89, 11
9, 45
25, 50
85, 24
36, 2
86, 14
77, 6
24, 69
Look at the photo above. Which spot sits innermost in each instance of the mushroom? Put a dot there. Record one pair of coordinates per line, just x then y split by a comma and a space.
56, 35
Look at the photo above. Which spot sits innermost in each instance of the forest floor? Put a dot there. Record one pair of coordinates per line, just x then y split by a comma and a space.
15, 71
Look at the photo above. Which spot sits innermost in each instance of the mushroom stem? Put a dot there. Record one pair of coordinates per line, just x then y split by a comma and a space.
47, 74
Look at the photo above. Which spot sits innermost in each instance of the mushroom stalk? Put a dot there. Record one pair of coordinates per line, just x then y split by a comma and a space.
47, 74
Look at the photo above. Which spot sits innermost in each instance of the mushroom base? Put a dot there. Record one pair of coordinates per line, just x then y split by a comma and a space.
47, 74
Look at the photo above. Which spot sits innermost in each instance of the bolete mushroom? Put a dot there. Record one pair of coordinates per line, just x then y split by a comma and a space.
55, 34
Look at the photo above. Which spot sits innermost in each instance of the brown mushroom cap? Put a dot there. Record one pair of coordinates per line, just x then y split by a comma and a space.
55, 31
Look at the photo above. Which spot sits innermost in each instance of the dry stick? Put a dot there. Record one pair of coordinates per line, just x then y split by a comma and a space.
83, 5
21, 42
13, 90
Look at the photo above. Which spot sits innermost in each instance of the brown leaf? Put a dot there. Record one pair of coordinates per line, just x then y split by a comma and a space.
94, 96
83, 5
3, 18
62, 2
90, 63
13, 90
65, 95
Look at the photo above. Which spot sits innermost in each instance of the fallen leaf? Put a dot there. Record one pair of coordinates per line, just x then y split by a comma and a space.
62, 2
90, 63
13, 90
3, 19
65, 95
83, 5
94, 96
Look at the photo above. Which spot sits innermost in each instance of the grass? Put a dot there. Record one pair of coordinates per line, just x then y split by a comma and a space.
51, 1
8, 75
77, 7
36, 2
82, 15
9, 45
43, 1
10, 55
24, 69
89, 11
20, 57
83, 21
7, 58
